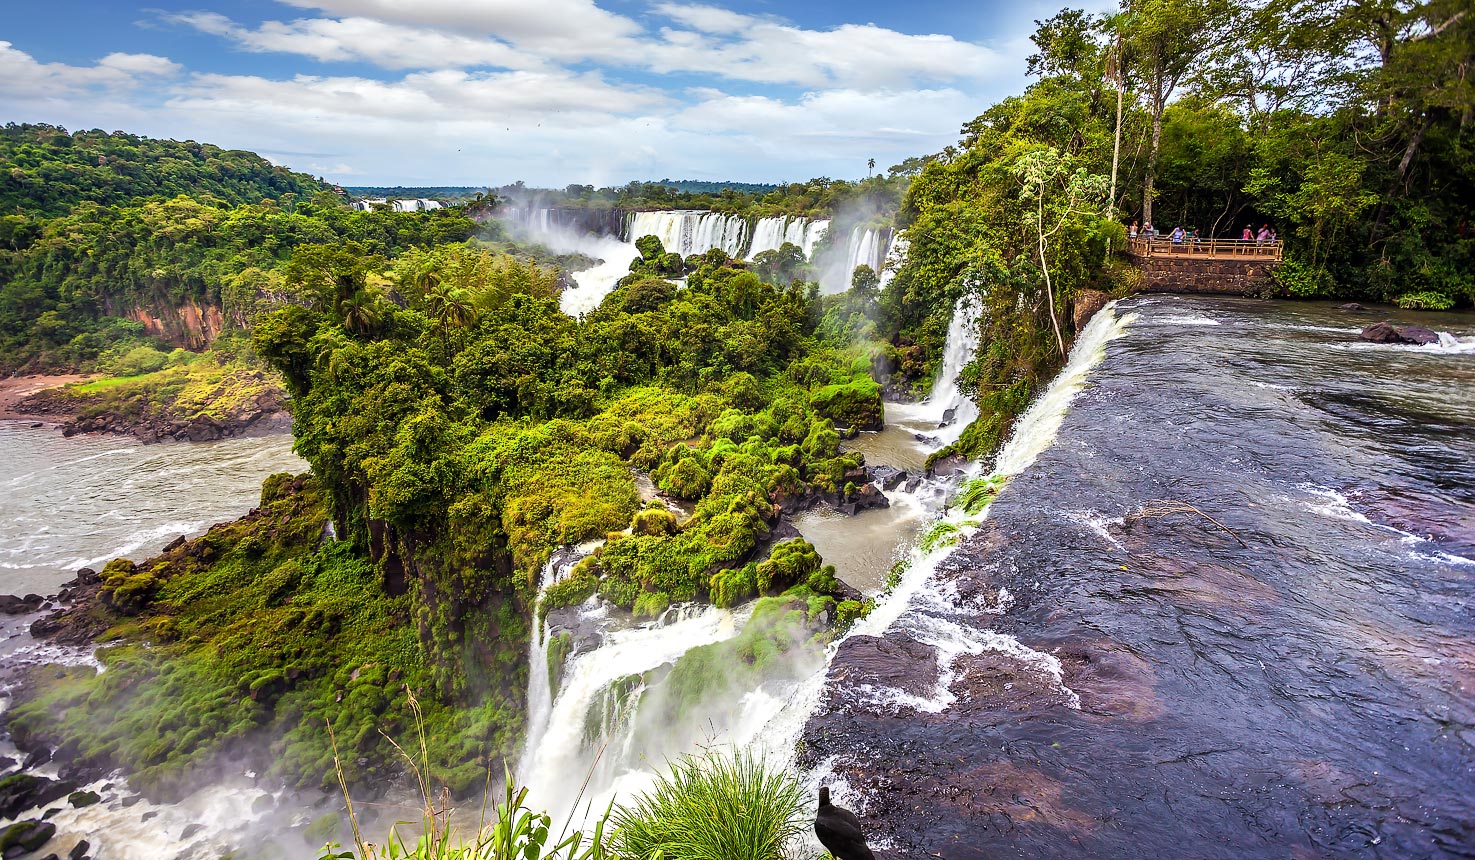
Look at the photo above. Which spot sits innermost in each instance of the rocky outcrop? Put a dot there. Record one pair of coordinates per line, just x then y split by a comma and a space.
1085, 306
190, 325
1387, 332
262, 413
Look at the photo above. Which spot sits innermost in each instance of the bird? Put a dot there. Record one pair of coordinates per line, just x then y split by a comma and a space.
839, 830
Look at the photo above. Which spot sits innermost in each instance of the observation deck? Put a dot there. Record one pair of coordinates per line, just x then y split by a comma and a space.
1216, 266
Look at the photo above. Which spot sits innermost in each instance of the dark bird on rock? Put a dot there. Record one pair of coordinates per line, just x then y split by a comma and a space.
839, 830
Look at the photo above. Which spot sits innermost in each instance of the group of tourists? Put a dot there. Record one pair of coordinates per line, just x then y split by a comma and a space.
1264, 236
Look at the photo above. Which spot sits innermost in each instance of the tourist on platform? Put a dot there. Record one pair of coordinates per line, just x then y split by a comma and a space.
1147, 230
1264, 235
1178, 235
1132, 231
1248, 235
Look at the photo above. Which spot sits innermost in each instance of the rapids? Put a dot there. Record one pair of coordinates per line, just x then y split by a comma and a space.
1071, 681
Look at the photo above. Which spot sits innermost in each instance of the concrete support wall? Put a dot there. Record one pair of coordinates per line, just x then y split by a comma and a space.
1218, 276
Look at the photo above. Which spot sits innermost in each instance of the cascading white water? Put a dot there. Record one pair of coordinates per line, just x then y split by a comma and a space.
896, 254
769, 234
571, 749
590, 285
866, 246
690, 231
957, 352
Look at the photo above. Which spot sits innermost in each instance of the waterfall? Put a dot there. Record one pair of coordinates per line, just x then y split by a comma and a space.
771, 233
590, 726
691, 231
867, 246
923, 607
896, 254
957, 352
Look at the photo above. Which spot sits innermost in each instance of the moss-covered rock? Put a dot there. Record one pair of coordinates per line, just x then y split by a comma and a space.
855, 404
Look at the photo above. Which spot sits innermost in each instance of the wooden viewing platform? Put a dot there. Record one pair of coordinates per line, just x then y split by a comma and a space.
1215, 266
1209, 249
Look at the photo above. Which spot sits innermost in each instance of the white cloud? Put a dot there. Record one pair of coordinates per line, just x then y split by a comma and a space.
25, 79
710, 40
389, 46
569, 30
511, 97
851, 55
707, 19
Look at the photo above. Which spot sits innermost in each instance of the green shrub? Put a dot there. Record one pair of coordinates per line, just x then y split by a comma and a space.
138, 361
1425, 301
714, 807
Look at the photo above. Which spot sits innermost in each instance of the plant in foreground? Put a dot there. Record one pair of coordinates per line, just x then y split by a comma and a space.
714, 807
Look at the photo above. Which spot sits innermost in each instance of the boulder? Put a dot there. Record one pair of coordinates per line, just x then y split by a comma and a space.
1387, 332
1351, 306
952, 464
80, 799
37, 757
10, 604
912, 484
948, 415
1418, 334
870, 497
23, 791
23, 837
79, 850
887, 477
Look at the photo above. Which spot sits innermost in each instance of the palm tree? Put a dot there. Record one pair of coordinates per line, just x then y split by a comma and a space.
450, 308
870, 166
361, 312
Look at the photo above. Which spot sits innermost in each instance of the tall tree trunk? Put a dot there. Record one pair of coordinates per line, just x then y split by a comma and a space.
1404, 164
1151, 179
1116, 147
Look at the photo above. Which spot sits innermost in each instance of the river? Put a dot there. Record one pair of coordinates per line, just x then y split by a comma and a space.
1074, 682
77, 502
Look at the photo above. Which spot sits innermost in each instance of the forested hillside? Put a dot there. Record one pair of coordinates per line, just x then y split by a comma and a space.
48, 170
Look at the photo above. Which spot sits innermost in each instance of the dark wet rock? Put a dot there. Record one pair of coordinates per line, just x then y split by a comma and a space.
1418, 334
10, 604
36, 758
567, 619
1386, 332
149, 816
131, 800
912, 484
6, 762
22, 791
948, 415
925, 439
79, 799
79, 850
887, 477
23, 837
1351, 306
1382, 332
190, 830
51, 813
946, 467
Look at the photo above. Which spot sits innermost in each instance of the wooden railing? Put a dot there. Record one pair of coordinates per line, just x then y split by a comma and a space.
1208, 249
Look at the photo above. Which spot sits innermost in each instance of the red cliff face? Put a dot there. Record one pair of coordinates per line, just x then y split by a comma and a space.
190, 325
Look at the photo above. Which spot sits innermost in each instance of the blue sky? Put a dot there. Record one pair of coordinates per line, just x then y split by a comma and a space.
472, 92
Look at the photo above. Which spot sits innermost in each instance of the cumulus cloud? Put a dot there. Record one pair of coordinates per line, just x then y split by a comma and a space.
421, 97
705, 39
22, 77
389, 46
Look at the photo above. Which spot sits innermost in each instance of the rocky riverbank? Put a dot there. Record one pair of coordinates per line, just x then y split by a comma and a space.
175, 405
